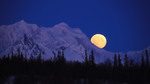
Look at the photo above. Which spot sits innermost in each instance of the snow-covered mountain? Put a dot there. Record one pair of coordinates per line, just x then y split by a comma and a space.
33, 40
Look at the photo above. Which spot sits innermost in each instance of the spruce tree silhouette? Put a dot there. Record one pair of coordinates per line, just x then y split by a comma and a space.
115, 61
126, 61
147, 58
58, 70
91, 58
86, 57
142, 62
119, 61
39, 58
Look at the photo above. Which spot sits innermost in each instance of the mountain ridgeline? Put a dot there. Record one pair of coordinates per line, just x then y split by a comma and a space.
62, 55
33, 40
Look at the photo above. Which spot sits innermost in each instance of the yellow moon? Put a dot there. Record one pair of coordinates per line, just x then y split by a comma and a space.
99, 40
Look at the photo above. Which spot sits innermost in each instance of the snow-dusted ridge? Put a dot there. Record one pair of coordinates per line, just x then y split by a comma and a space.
32, 40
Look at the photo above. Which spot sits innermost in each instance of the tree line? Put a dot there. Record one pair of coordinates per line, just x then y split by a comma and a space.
30, 70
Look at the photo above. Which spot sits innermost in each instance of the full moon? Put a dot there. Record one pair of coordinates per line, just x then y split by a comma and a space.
99, 40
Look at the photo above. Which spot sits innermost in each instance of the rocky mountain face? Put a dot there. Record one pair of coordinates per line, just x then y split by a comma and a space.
33, 40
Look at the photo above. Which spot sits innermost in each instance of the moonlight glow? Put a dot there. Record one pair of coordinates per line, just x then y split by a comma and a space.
99, 40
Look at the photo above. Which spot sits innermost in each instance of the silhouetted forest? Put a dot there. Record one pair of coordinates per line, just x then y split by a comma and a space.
59, 71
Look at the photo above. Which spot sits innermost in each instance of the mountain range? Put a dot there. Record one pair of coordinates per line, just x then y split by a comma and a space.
33, 40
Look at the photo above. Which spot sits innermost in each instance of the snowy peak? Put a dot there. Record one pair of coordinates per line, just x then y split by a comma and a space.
33, 40
62, 24
22, 22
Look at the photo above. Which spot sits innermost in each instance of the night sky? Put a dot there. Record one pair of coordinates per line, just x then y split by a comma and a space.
125, 23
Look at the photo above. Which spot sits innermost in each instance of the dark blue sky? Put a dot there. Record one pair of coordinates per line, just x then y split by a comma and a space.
125, 23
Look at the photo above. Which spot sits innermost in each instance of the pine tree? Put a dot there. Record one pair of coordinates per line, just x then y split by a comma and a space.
4, 57
31, 59
58, 55
55, 58
86, 57
21, 57
7, 58
119, 61
63, 57
115, 60
126, 61
131, 63
147, 58
142, 61
108, 63
91, 58
39, 58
